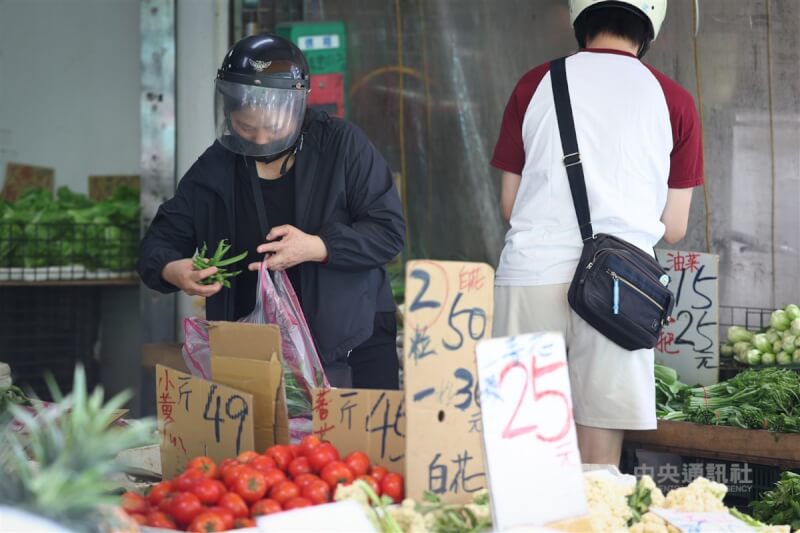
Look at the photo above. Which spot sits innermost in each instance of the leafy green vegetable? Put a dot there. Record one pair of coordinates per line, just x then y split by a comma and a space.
39, 230
222, 275
780, 506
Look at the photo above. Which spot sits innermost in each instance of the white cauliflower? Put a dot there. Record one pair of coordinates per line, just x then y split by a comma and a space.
701, 495
656, 496
652, 523
408, 518
608, 504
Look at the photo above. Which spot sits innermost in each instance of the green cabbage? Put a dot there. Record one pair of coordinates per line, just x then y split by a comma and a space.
768, 358
783, 358
739, 334
753, 357
780, 320
761, 342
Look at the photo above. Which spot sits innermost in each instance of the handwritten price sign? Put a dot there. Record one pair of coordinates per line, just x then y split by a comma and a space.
690, 343
197, 417
372, 421
528, 430
448, 310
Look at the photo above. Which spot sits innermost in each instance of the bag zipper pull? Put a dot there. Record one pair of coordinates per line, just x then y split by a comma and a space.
616, 293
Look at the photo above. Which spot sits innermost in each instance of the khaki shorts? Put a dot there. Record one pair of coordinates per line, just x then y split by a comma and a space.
612, 387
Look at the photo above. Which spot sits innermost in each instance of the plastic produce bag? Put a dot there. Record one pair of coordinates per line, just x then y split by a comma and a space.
276, 303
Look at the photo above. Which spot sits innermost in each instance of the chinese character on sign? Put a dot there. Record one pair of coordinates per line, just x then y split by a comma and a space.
469, 280
475, 424
462, 481
644, 470
347, 410
740, 475
692, 471
569, 454
184, 391
327, 41
175, 441
420, 344
668, 472
309, 43
716, 472
321, 405
666, 343
684, 262
165, 400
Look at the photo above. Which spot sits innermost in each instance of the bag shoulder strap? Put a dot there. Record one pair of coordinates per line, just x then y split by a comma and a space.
569, 144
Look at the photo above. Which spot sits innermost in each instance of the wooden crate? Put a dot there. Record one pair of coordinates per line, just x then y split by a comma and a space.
720, 442
20, 178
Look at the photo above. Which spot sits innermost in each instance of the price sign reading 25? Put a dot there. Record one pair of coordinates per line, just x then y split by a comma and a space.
526, 410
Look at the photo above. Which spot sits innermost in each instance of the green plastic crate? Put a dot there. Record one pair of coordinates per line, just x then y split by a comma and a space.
323, 43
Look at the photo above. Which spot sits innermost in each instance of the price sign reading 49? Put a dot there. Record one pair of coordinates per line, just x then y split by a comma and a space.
448, 310
527, 412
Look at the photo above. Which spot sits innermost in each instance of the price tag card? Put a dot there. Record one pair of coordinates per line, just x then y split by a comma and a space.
720, 522
528, 430
448, 310
690, 343
198, 417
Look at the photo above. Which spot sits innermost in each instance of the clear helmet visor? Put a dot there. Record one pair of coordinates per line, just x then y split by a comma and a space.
258, 121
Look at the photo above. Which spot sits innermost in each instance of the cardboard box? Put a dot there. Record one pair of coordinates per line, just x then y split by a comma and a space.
242, 408
249, 358
370, 421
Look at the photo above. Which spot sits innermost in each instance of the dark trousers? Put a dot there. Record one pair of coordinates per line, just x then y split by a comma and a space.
373, 364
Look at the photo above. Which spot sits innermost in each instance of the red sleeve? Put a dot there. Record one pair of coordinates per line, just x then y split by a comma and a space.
686, 158
509, 152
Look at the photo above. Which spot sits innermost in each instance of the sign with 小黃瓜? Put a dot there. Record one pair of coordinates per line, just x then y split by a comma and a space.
448, 309
526, 405
690, 343
371, 421
198, 417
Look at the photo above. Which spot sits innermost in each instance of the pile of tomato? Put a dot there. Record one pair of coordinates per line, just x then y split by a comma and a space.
210, 497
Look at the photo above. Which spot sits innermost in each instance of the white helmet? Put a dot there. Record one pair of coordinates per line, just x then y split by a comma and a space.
654, 10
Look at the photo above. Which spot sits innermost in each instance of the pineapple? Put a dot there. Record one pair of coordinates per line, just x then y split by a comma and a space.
61, 468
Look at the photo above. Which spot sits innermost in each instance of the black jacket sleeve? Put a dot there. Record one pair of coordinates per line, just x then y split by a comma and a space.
170, 237
377, 230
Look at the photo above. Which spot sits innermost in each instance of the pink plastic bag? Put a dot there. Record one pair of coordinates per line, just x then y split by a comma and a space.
276, 303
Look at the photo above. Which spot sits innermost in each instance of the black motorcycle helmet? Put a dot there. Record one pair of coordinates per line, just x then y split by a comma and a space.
260, 97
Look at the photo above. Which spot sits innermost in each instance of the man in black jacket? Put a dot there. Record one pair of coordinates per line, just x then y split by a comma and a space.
307, 189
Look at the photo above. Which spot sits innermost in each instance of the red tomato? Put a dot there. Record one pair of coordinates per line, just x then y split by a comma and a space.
304, 480
226, 465
317, 491
296, 450
185, 481
335, 473
134, 503
165, 505
358, 463
185, 507
297, 503
250, 485
372, 482
284, 491
246, 456
299, 465
308, 443
266, 506
139, 518
158, 491
208, 491
378, 472
273, 477
393, 486
207, 521
281, 454
160, 520
232, 473
235, 504
226, 514
241, 523
204, 464
262, 463
322, 455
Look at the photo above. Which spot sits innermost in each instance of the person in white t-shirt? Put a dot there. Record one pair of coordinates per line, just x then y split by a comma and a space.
641, 148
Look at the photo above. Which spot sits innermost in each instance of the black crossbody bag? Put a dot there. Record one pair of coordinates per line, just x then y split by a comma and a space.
617, 288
